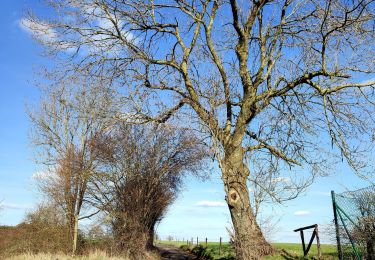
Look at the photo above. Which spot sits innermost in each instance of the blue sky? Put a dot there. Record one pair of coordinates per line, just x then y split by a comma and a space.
199, 211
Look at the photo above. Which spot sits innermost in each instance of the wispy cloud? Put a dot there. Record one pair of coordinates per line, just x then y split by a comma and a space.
368, 81
208, 203
301, 213
40, 30
281, 179
16, 206
321, 193
44, 32
40, 175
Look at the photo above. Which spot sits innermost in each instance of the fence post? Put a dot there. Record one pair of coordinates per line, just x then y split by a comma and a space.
339, 251
220, 247
197, 242
206, 241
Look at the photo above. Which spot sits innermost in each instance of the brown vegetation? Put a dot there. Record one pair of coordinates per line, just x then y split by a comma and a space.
43, 230
142, 170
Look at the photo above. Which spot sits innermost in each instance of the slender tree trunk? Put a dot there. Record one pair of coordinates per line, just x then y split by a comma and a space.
75, 234
249, 240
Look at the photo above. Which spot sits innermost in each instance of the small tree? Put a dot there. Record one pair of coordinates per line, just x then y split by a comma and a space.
141, 172
63, 125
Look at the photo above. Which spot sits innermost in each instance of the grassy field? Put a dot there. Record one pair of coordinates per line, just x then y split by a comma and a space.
293, 250
45, 256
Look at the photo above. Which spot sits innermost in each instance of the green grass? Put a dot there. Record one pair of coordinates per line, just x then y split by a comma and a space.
294, 250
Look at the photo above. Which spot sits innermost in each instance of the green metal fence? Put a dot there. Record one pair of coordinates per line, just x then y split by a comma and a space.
354, 213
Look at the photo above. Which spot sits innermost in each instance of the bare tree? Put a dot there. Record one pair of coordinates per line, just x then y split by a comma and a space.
141, 172
277, 82
364, 232
63, 125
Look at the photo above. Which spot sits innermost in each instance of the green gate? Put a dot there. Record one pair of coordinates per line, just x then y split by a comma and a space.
354, 216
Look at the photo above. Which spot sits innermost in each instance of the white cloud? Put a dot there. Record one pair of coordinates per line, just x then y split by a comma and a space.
40, 30
321, 193
15, 206
208, 203
368, 81
301, 213
281, 179
41, 175
44, 32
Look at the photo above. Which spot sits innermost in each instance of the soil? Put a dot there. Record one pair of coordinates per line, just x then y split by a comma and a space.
172, 252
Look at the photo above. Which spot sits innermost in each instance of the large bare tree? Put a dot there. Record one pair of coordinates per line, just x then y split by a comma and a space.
276, 83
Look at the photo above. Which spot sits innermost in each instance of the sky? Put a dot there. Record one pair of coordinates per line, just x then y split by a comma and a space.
200, 211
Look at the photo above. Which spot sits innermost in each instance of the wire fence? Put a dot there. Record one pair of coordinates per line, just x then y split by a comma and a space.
355, 223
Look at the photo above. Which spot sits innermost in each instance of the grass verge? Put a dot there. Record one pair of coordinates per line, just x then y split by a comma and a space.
226, 252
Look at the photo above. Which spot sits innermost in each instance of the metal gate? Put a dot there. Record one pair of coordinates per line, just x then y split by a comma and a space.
354, 217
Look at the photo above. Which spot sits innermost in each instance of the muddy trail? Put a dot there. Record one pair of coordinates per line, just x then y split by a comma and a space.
172, 252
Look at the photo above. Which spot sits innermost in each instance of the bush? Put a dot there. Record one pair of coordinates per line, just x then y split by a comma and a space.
42, 231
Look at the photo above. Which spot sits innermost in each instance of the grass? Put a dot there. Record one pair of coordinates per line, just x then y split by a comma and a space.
97, 255
94, 255
293, 250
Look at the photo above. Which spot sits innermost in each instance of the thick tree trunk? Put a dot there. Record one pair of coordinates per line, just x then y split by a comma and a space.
249, 240
370, 249
150, 240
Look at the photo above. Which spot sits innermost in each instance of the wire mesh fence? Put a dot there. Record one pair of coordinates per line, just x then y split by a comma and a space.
355, 223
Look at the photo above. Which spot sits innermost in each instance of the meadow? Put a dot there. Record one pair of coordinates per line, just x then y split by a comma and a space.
226, 252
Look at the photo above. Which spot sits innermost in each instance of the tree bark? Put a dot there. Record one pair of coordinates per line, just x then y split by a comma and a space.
370, 249
150, 238
75, 234
249, 240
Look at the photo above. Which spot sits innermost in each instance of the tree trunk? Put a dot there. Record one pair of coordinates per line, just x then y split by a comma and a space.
370, 249
150, 238
75, 234
249, 240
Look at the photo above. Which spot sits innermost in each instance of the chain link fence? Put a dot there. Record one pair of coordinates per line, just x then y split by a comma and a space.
354, 213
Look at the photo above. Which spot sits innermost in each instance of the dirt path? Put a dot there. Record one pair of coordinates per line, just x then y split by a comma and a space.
172, 252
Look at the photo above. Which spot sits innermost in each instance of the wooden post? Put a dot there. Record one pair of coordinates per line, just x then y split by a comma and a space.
314, 234
197, 242
206, 241
303, 242
220, 247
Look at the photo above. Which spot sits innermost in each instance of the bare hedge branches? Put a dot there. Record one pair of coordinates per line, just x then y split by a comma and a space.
140, 174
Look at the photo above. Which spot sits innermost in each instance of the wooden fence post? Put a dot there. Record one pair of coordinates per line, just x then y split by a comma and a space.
220, 247
206, 241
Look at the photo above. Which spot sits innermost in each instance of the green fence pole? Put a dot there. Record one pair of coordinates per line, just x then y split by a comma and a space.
358, 257
339, 251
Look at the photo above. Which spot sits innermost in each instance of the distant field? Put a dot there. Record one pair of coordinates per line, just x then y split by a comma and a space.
293, 249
